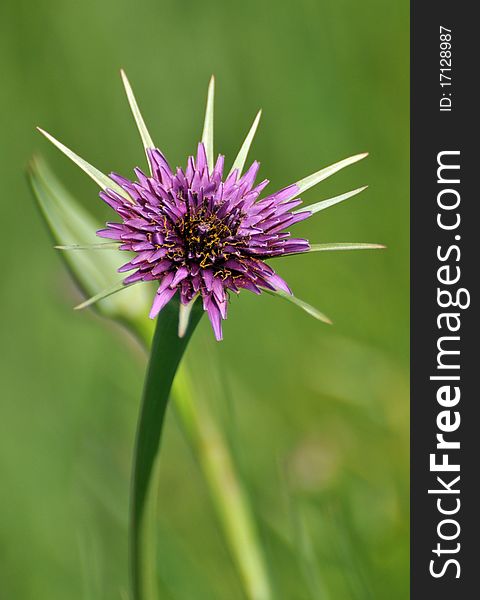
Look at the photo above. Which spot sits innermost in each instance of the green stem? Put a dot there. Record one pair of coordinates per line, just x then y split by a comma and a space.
166, 353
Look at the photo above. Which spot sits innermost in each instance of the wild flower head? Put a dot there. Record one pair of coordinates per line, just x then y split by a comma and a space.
201, 233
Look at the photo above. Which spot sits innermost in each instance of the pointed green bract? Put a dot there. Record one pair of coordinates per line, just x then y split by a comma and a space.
323, 204
118, 287
308, 308
100, 179
104, 246
307, 182
207, 135
344, 246
137, 115
239, 162
184, 316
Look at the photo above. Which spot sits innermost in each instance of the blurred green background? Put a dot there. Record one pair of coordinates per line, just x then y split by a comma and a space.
316, 416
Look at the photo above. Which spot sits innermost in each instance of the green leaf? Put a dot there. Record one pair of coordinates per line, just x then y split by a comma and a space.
166, 353
323, 204
344, 246
308, 308
100, 179
207, 135
69, 222
239, 162
307, 182
137, 115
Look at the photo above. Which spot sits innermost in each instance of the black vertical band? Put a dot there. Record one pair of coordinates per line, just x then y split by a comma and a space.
445, 349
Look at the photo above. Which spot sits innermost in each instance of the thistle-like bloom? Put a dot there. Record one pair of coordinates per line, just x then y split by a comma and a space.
199, 233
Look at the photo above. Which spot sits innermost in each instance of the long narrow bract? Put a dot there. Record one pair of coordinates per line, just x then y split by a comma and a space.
207, 135
103, 294
137, 115
239, 161
311, 180
308, 308
345, 246
100, 179
100, 246
323, 204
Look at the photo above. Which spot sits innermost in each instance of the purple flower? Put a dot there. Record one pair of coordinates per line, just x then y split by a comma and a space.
199, 234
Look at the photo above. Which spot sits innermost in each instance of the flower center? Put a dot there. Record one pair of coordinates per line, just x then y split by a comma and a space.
204, 237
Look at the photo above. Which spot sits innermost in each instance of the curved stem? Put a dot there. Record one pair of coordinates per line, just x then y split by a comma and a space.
218, 468
166, 353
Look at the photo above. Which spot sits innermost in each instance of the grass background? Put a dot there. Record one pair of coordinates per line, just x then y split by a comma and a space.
317, 416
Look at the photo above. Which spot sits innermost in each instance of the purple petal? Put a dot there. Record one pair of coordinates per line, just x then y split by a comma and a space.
247, 181
161, 299
157, 160
180, 275
215, 318
278, 283
201, 158
109, 234
137, 276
